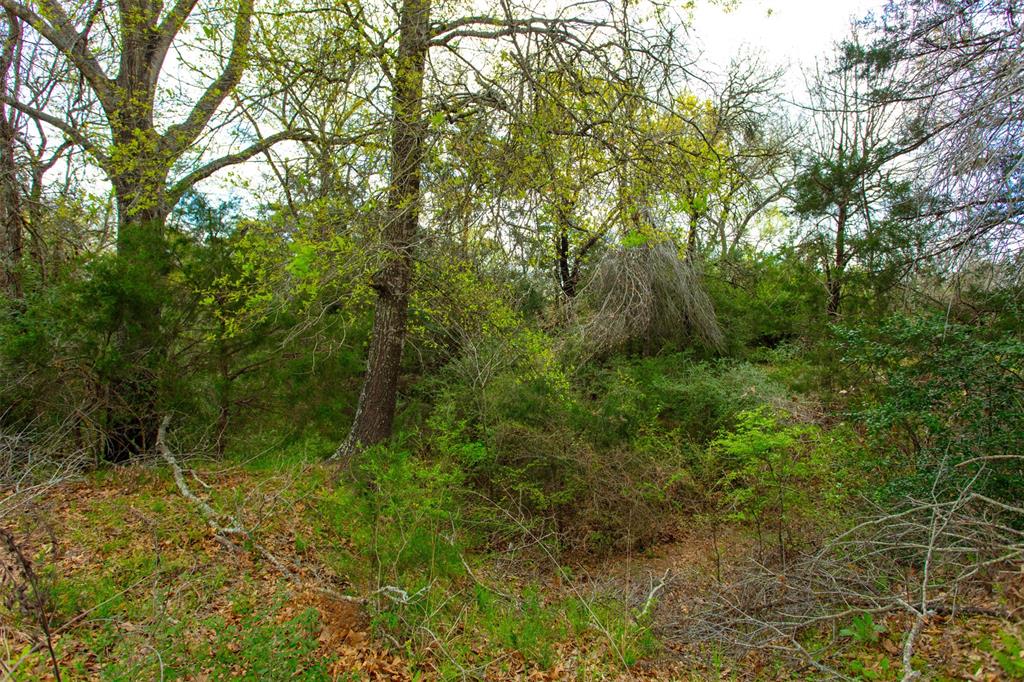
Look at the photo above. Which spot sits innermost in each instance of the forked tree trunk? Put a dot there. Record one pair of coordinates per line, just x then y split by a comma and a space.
375, 412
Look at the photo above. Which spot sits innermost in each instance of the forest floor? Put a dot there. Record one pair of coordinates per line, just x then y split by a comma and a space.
141, 588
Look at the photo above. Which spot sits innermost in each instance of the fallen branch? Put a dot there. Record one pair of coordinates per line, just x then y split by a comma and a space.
223, 533
652, 596
909, 674
209, 514
235, 528
937, 548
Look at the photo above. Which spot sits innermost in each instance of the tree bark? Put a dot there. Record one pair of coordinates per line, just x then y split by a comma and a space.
375, 411
692, 243
834, 282
12, 220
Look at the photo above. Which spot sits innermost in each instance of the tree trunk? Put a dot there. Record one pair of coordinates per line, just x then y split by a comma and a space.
224, 382
143, 263
691, 237
834, 282
835, 297
375, 412
567, 275
46, 260
12, 221
143, 260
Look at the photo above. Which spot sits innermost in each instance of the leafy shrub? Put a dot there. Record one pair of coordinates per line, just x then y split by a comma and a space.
779, 477
400, 535
946, 398
602, 463
697, 398
764, 300
414, 510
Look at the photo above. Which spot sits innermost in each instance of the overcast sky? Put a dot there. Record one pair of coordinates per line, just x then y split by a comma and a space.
790, 32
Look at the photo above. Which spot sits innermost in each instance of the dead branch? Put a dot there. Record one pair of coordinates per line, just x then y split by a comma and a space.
209, 514
26, 593
225, 533
925, 558
647, 292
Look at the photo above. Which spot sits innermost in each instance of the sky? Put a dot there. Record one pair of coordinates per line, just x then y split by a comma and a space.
789, 32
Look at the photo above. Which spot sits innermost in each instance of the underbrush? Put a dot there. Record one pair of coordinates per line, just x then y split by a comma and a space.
455, 550
607, 464
417, 534
381, 582
137, 587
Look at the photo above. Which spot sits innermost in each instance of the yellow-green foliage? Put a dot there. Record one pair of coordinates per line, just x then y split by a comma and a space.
463, 317
271, 275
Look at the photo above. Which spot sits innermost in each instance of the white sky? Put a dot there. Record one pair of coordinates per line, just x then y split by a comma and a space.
789, 32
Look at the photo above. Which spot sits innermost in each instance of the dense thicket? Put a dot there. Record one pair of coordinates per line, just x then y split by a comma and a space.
544, 268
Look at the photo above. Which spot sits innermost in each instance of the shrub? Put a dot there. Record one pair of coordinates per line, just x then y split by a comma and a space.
602, 463
777, 476
697, 398
945, 398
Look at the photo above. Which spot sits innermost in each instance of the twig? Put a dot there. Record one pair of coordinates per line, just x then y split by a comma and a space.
37, 604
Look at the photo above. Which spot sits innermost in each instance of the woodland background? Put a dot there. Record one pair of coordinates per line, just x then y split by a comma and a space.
513, 342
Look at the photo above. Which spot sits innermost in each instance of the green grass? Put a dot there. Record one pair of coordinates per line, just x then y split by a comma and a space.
143, 591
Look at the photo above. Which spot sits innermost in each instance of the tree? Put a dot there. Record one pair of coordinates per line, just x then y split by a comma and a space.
954, 69
757, 168
31, 74
568, 37
567, 168
12, 221
376, 408
851, 185
558, 154
149, 162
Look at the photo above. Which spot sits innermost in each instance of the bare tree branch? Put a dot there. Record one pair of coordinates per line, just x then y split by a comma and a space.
179, 137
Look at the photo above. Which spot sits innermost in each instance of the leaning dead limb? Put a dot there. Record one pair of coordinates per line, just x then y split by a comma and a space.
652, 595
226, 527
212, 518
909, 674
